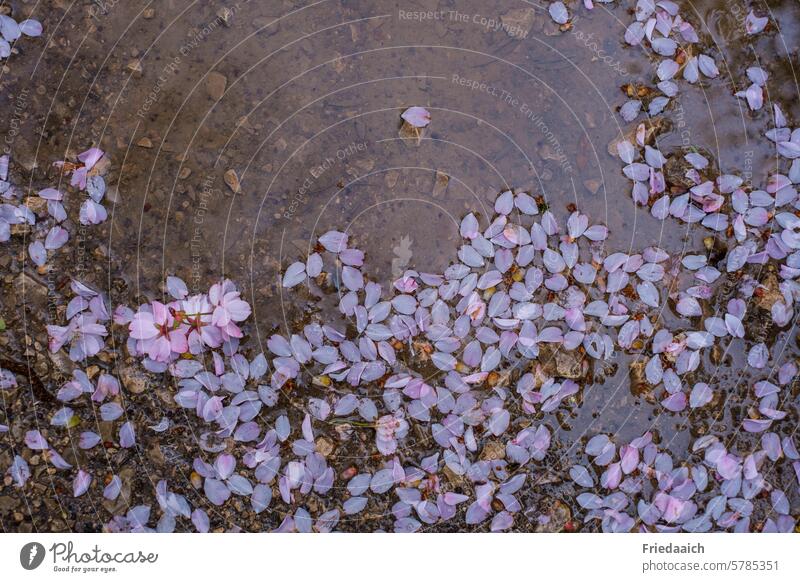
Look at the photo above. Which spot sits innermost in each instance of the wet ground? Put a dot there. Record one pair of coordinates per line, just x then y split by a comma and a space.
238, 132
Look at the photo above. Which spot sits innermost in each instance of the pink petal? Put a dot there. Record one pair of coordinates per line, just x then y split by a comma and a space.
675, 403
37, 253
56, 238
90, 157
417, 116
81, 483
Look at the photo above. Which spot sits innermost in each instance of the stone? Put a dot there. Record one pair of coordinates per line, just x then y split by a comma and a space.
23, 229
559, 516
155, 454
768, 292
561, 363
8, 504
592, 185
344, 431
102, 167
135, 67
232, 180
37, 205
493, 450
134, 381
57, 365
215, 85
454, 479
639, 384
675, 172
324, 446
440, 184
225, 14
409, 132
112, 194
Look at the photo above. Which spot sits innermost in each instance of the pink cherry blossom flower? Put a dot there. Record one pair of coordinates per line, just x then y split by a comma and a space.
388, 429
89, 159
157, 333
198, 312
229, 308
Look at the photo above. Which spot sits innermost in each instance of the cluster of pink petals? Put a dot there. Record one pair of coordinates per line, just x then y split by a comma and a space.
660, 25
388, 429
620, 492
11, 31
189, 324
51, 234
80, 174
86, 331
458, 414
157, 333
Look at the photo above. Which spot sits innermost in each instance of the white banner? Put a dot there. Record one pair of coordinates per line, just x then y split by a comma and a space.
387, 558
